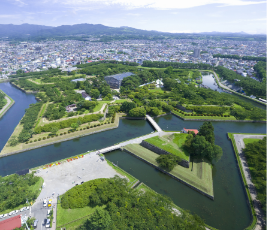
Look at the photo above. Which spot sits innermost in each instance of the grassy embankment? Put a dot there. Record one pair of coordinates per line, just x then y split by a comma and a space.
171, 143
8, 107
35, 189
72, 135
254, 217
199, 174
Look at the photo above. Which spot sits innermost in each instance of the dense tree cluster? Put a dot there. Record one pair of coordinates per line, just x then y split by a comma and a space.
260, 67
67, 123
2, 99
239, 58
54, 111
202, 145
28, 122
125, 208
249, 85
176, 65
15, 190
50, 72
256, 158
208, 109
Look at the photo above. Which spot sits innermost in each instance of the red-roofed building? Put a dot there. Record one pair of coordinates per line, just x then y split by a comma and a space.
11, 223
191, 130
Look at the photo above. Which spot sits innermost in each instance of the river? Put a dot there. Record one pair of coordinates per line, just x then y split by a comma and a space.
229, 209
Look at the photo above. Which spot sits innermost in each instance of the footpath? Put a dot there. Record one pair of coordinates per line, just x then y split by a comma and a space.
240, 146
6, 107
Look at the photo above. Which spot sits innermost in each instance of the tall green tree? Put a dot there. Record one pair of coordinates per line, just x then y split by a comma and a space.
207, 131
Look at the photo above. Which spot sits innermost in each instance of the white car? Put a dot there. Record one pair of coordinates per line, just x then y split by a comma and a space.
5, 215
22, 209
27, 207
47, 223
1, 216
48, 212
16, 211
11, 213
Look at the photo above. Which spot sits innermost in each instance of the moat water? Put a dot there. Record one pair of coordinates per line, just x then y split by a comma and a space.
229, 210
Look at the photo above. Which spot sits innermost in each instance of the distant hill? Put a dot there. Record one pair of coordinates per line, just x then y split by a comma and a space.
105, 33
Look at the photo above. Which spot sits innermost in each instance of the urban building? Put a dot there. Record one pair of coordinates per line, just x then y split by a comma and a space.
196, 53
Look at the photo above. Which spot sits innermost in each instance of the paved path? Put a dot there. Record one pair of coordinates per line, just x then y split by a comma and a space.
6, 105
155, 125
240, 145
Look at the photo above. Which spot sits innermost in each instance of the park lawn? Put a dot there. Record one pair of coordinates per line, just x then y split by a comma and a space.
250, 140
65, 216
35, 189
41, 113
121, 101
171, 143
39, 82
100, 104
199, 174
157, 90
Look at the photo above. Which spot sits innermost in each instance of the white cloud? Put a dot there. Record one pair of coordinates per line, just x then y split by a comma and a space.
8, 16
159, 4
20, 3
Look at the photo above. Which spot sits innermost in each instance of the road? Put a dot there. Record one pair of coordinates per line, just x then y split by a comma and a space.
240, 146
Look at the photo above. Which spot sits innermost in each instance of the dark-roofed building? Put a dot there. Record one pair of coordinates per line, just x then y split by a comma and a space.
11, 223
114, 81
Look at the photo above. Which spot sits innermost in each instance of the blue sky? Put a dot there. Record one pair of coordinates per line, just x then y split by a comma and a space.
162, 15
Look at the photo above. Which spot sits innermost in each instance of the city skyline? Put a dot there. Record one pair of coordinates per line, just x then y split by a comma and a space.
167, 16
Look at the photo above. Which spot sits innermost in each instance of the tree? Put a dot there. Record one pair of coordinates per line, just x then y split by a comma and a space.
74, 125
127, 106
199, 146
168, 161
207, 130
154, 111
239, 114
95, 93
137, 112
13, 141
100, 219
54, 130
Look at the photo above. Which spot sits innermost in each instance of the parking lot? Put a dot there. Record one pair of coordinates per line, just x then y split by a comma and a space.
58, 179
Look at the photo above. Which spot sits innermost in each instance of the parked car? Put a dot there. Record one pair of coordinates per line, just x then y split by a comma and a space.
11, 213
1, 216
27, 207
22, 209
45, 203
5, 215
47, 223
50, 203
48, 212
35, 223
16, 211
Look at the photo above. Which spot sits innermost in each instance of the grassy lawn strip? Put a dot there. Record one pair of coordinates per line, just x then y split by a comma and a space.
100, 104
41, 114
65, 216
131, 179
250, 140
121, 101
200, 177
171, 143
254, 220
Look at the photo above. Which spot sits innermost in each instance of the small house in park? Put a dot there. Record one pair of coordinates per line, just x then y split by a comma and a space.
86, 96
70, 108
114, 81
184, 130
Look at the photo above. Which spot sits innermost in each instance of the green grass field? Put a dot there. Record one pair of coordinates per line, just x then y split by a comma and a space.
199, 174
250, 140
99, 106
121, 101
65, 216
171, 143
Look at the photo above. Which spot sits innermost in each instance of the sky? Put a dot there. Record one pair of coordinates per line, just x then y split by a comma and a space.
181, 16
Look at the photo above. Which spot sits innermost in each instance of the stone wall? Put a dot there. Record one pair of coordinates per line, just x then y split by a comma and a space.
169, 174
160, 151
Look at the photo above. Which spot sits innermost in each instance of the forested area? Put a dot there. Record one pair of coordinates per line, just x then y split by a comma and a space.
260, 67
67, 123
50, 72
202, 146
239, 58
28, 122
125, 208
176, 65
15, 190
256, 158
208, 109
2, 99
249, 85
